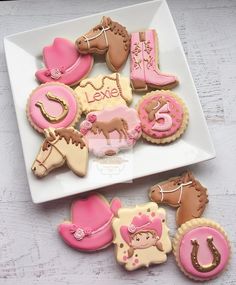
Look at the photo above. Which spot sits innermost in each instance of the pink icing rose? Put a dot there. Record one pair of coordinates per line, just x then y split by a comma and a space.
55, 73
91, 118
138, 128
86, 125
83, 131
79, 234
131, 228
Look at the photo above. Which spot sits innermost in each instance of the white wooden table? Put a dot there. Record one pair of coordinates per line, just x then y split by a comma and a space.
30, 250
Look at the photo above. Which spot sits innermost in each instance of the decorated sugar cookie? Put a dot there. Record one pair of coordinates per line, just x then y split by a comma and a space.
53, 105
144, 63
111, 130
90, 226
63, 63
164, 116
202, 249
65, 145
110, 38
141, 236
178, 192
102, 92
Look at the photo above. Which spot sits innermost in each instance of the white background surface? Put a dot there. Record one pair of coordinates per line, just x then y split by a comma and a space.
30, 250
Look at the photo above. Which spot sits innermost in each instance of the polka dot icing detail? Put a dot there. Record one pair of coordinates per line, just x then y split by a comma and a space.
204, 255
174, 114
52, 105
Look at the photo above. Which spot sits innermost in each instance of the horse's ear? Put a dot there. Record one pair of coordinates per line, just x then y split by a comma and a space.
49, 134
187, 176
105, 21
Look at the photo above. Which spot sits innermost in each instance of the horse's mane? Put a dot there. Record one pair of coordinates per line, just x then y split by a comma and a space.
117, 28
68, 134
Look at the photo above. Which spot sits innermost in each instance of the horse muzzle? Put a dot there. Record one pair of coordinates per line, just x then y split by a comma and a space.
38, 170
81, 45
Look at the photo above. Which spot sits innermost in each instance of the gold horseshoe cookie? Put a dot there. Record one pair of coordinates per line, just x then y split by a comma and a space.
49, 118
215, 253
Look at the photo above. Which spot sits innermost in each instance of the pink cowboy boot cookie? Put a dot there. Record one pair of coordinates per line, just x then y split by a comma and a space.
144, 67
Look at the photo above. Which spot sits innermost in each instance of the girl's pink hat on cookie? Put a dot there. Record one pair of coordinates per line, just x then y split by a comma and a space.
141, 223
64, 63
90, 228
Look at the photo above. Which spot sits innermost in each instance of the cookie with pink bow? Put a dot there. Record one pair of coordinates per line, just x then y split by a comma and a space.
141, 236
63, 63
164, 116
90, 227
110, 130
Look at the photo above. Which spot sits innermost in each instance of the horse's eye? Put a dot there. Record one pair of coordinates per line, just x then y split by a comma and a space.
147, 237
178, 183
137, 239
49, 145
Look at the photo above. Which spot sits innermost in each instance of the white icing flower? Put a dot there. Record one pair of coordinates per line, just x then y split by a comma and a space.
131, 228
79, 234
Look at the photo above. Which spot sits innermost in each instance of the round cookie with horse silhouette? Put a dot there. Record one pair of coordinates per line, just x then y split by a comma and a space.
53, 105
202, 249
164, 116
111, 130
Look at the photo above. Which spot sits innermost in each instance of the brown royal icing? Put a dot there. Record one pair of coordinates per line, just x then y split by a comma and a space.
108, 37
183, 192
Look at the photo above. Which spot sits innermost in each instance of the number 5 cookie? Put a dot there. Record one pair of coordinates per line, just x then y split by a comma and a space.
164, 116
141, 236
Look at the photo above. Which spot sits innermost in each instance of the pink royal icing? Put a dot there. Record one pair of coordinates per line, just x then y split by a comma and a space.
52, 107
90, 227
167, 121
204, 254
64, 63
98, 144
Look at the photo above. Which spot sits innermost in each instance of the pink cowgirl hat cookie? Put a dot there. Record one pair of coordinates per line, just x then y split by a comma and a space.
141, 224
63, 63
90, 228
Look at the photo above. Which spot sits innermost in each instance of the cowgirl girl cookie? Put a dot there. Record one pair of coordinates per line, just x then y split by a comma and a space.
63, 63
52, 105
110, 130
177, 192
61, 146
90, 226
164, 116
202, 249
141, 236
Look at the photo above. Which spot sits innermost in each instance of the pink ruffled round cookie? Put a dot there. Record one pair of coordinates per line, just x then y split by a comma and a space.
110, 130
53, 105
202, 249
63, 63
164, 116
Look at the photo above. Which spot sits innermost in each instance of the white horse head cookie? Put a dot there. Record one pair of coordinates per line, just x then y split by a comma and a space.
141, 236
60, 146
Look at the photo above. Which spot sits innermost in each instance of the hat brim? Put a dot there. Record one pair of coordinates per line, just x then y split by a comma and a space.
92, 242
72, 77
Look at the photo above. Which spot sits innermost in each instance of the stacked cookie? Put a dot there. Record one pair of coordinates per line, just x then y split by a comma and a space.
94, 118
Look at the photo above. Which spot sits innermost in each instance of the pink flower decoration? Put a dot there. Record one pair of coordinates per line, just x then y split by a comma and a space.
92, 118
138, 128
86, 125
131, 228
83, 131
88, 231
55, 73
79, 234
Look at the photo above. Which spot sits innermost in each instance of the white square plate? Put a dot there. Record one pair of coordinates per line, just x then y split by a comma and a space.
23, 54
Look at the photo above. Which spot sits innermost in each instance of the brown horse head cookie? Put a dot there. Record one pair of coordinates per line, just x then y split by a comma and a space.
183, 192
109, 38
